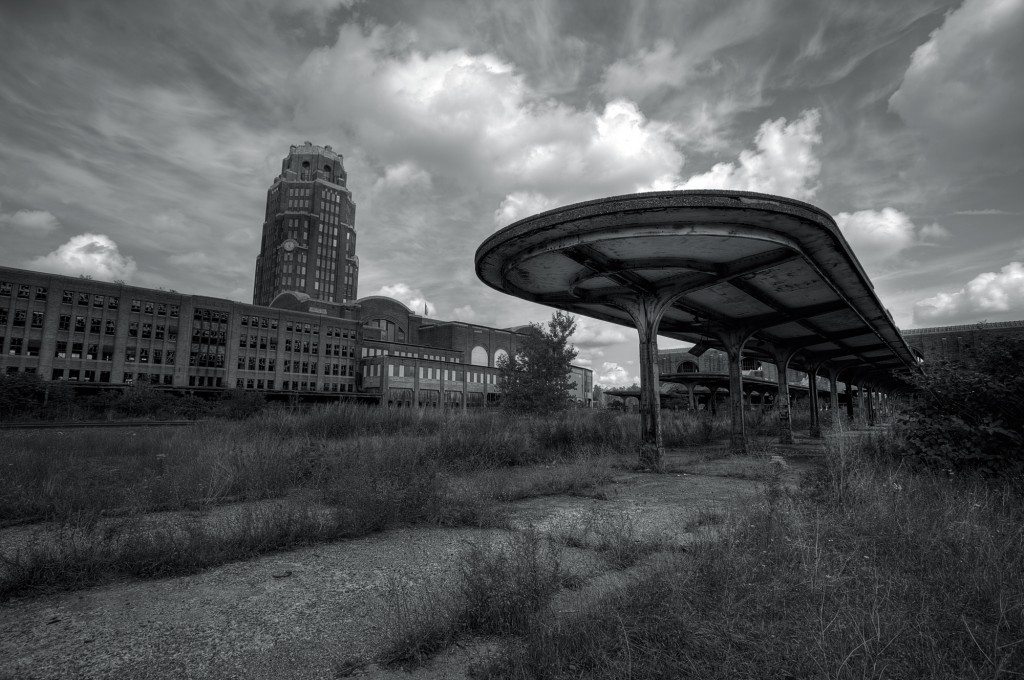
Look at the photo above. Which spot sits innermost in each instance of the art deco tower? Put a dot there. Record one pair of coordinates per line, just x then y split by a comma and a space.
309, 234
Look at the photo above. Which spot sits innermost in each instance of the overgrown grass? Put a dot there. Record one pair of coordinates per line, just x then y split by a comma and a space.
867, 572
365, 469
54, 475
355, 485
500, 587
617, 537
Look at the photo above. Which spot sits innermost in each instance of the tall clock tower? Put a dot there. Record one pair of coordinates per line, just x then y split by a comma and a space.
309, 233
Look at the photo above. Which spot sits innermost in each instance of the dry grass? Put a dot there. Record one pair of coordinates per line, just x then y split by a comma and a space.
616, 536
433, 468
868, 572
499, 588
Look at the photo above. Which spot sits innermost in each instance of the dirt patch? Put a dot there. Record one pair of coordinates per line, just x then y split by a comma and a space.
296, 614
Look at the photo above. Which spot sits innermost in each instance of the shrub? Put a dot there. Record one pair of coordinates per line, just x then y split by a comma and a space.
969, 416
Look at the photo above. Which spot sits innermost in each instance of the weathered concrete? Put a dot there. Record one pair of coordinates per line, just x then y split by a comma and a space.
742, 272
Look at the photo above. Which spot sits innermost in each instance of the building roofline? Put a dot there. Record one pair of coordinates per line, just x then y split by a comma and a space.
979, 326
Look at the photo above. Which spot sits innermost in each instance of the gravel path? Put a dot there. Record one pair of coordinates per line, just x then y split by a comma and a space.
294, 614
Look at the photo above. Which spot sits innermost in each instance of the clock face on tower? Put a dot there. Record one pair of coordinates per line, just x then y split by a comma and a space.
288, 245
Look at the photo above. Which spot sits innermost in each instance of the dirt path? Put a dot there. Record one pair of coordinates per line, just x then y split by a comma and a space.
294, 614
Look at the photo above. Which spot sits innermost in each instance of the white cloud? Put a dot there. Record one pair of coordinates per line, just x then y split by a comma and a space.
989, 293
591, 333
520, 204
474, 116
934, 232
402, 175
35, 222
93, 255
464, 313
785, 162
663, 66
583, 361
409, 296
880, 236
613, 375
964, 88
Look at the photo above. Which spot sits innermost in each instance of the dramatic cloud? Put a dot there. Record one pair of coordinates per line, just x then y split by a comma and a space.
409, 296
964, 89
520, 204
591, 333
33, 222
785, 162
880, 236
613, 375
92, 255
475, 117
999, 293
648, 71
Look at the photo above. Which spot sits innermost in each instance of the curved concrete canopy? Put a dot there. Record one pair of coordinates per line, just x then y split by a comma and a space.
773, 268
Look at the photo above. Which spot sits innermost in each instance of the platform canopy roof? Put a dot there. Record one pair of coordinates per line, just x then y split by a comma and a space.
729, 261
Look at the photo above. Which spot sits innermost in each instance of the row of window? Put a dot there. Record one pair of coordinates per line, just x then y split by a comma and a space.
308, 367
86, 375
376, 352
261, 342
91, 351
143, 355
19, 346
259, 322
24, 291
207, 336
113, 302
206, 359
296, 385
257, 364
21, 317
211, 315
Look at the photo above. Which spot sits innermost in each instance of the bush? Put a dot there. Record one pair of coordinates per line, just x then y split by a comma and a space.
241, 404
969, 417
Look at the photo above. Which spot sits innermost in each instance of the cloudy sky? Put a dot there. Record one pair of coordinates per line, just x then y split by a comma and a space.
138, 138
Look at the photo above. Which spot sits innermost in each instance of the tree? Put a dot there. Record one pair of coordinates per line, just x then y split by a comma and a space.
536, 378
969, 416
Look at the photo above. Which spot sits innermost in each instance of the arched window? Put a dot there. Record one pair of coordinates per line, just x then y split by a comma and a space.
688, 367
390, 331
327, 169
498, 354
478, 357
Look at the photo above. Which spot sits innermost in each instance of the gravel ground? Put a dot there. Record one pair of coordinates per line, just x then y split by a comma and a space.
293, 614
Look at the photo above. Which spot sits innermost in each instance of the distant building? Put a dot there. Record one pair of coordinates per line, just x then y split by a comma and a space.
306, 336
957, 343
309, 235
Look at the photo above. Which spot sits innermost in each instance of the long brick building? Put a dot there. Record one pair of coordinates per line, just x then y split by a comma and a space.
306, 335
